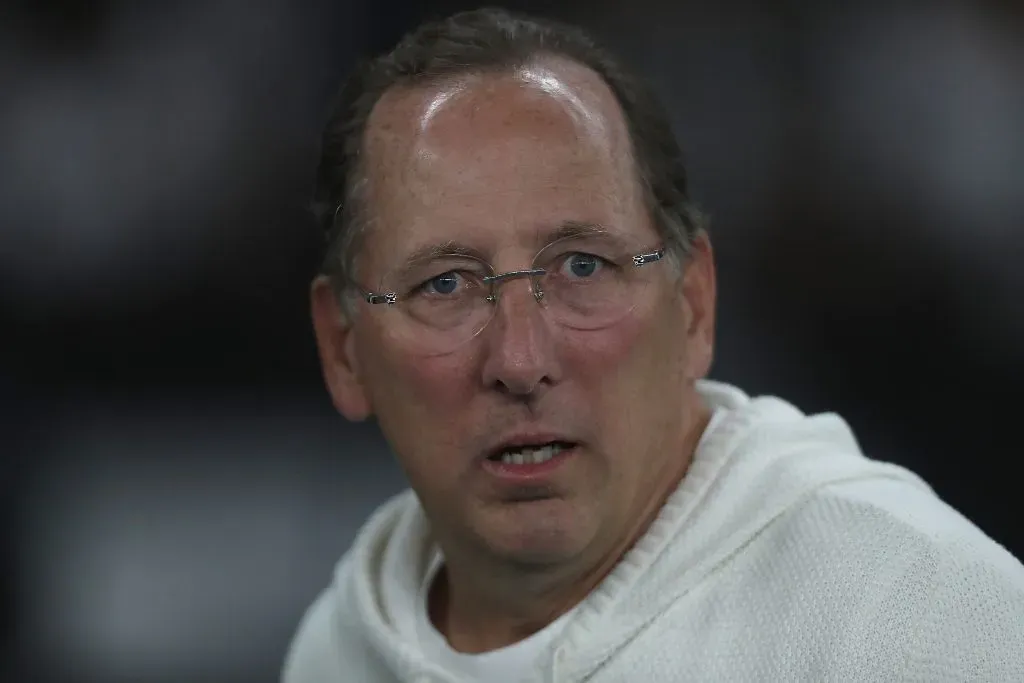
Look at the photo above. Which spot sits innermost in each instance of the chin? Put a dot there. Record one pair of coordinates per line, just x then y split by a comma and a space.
543, 535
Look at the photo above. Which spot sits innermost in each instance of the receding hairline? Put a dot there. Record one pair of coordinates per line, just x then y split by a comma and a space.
577, 75
394, 113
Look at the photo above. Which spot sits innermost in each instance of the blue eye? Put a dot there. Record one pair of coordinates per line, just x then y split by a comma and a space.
446, 283
583, 265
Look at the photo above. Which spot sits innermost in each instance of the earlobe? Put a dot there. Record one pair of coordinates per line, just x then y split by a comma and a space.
335, 342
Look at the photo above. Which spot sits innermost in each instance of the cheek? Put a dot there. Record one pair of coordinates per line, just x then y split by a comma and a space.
421, 406
632, 375
629, 353
429, 391
443, 384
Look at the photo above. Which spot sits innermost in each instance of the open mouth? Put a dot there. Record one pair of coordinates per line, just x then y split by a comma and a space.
531, 454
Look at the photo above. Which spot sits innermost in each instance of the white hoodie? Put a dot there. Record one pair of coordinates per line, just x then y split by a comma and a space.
784, 555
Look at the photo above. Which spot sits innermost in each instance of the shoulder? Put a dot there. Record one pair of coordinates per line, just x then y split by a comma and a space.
936, 598
908, 518
315, 650
332, 642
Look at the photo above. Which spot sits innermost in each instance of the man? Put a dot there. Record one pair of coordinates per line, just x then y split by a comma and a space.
519, 290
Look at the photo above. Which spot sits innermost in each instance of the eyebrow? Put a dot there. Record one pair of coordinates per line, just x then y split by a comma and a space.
564, 230
568, 229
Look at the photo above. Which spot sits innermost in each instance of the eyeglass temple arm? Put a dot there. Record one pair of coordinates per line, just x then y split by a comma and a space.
372, 297
649, 257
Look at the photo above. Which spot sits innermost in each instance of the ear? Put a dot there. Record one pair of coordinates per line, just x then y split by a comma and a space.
699, 291
335, 342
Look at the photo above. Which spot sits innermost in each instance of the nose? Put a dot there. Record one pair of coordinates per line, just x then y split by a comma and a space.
520, 352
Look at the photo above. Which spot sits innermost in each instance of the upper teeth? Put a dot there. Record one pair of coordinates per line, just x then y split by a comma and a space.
530, 456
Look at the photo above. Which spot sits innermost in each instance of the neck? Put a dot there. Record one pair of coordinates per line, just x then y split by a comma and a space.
493, 604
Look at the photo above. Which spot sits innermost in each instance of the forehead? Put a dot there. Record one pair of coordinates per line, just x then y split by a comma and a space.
497, 160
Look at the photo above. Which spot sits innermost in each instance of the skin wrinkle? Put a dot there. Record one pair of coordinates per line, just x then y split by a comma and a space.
508, 160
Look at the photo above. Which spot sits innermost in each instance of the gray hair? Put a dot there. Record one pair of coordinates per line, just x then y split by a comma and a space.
483, 41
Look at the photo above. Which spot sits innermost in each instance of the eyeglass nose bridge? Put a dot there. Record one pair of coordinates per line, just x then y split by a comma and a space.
495, 280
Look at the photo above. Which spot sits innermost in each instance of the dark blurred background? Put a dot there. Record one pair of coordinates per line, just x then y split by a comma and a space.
174, 484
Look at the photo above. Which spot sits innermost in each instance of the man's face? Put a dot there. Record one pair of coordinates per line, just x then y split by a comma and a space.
497, 164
